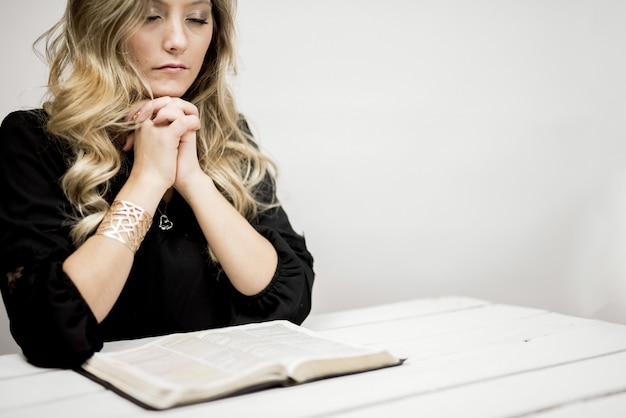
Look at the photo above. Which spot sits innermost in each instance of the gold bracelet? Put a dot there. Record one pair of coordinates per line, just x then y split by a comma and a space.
126, 223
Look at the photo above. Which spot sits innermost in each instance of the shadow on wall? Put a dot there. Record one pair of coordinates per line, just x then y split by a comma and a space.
7, 344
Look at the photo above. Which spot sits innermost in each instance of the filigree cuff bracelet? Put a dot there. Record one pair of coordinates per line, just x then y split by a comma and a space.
126, 223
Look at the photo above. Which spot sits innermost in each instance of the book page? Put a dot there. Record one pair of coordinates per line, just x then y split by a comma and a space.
187, 360
284, 342
280, 341
181, 368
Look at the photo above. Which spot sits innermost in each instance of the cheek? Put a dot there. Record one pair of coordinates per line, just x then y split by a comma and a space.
207, 39
205, 49
138, 47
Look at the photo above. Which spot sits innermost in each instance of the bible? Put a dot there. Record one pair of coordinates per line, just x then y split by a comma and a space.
199, 366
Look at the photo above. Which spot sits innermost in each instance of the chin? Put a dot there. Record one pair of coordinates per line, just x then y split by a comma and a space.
171, 91
167, 93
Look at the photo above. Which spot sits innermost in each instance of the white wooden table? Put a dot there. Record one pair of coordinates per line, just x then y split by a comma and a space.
466, 358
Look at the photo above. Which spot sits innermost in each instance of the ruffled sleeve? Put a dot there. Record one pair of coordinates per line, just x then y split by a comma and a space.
49, 319
288, 295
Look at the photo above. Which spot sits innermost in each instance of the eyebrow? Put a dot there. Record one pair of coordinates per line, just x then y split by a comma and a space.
207, 2
193, 3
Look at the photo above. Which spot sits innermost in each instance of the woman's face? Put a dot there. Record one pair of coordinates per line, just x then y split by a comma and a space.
171, 44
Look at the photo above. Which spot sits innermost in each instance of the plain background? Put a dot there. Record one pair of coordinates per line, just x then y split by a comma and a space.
426, 148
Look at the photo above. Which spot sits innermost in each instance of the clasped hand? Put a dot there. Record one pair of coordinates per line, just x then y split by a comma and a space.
164, 141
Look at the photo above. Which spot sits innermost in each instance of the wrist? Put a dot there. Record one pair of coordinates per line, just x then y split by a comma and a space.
196, 186
143, 191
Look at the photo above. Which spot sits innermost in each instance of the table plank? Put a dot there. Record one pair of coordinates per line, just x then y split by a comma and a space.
15, 365
611, 406
391, 311
44, 388
99, 404
402, 335
526, 394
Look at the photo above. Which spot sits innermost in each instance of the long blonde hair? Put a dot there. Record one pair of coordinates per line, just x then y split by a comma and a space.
93, 82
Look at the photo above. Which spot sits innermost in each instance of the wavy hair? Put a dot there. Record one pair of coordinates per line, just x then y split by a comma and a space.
93, 82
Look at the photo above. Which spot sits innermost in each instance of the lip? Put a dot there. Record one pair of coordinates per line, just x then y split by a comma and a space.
172, 68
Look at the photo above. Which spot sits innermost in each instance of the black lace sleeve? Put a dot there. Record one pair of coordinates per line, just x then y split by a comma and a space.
48, 317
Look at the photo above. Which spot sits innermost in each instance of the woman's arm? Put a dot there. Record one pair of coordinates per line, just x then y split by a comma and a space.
289, 294
266, 262
248, 259
100, 267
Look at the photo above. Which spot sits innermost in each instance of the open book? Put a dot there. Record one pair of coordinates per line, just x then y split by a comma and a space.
192, 367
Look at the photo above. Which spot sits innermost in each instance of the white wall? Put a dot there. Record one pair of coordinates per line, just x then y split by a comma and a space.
431, 147
449, 146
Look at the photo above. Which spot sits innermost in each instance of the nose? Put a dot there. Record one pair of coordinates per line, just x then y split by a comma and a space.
175, 38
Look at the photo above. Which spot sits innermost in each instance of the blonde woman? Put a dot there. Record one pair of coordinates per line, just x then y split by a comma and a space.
135, 202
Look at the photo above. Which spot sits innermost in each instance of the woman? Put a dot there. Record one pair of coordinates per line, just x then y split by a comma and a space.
135, 203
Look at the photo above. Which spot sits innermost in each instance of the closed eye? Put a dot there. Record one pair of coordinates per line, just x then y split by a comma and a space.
198, 21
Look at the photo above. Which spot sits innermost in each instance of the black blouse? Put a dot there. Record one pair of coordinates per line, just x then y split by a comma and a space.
173, 285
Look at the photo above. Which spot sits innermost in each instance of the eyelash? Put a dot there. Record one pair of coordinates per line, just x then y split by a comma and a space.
197, 21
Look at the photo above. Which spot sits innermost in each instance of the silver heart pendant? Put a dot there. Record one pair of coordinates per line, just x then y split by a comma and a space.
165, 224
